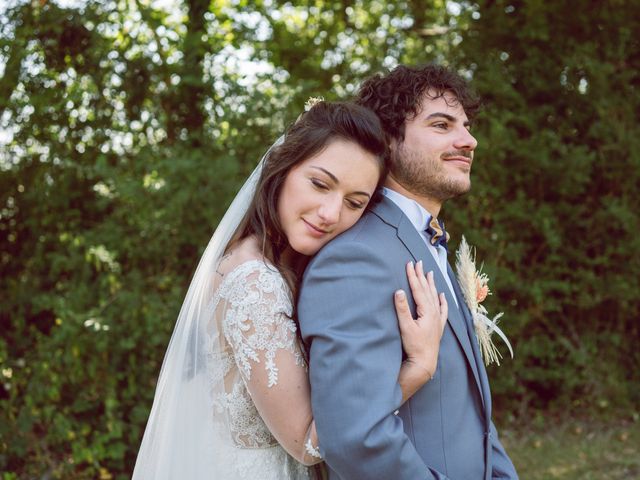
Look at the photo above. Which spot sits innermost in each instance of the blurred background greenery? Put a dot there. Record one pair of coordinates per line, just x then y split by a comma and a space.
126, 127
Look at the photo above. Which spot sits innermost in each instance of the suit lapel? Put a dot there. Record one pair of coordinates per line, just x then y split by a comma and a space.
407, 234
481, 373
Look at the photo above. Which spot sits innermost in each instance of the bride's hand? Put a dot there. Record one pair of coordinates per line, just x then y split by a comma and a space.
421, 336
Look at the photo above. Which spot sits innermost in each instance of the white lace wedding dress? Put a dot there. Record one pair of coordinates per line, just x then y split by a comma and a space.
248, 366
233, 394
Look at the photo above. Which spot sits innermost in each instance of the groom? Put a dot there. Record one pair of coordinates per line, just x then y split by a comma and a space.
347, 315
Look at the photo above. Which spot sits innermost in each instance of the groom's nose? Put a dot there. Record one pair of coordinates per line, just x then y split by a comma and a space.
465, 140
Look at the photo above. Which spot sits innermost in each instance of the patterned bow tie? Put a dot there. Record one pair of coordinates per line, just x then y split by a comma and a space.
436, 233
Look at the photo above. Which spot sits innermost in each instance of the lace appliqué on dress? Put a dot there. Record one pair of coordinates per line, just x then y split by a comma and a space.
246, 426
311, 450
258, 318
254, 304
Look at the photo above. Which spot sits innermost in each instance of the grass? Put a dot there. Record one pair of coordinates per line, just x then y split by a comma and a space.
571, 450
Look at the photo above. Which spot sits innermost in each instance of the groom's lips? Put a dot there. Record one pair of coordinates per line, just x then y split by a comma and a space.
459, 159
318, 232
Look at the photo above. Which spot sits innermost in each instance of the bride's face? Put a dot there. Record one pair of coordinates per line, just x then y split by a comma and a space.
326, 194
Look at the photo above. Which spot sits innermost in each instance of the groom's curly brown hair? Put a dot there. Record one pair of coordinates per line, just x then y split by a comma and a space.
397, 95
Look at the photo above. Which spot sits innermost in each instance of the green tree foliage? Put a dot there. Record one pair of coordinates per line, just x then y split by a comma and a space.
554, 207
125, 130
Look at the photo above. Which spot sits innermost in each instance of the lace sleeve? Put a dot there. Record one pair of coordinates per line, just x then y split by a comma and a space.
258, 327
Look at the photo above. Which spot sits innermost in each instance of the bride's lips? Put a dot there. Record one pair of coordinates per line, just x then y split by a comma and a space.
315, 231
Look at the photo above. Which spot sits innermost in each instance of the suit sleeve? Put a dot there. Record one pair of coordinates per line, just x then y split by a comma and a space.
502, 466
349, 325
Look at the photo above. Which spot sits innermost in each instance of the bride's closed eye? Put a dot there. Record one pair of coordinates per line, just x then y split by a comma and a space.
319, 184
355, 205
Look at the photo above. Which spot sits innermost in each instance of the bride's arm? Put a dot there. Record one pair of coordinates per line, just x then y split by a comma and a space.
265, 346
285, 407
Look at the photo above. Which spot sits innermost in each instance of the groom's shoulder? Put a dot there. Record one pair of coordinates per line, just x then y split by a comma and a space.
364, 247
370, 231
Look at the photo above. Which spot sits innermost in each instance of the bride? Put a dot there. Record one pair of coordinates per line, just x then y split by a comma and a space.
232, 400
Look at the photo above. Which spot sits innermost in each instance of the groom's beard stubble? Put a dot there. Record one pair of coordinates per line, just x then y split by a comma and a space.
426, 175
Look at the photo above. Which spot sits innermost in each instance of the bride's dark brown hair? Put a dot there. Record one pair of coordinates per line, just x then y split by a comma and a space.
308, 136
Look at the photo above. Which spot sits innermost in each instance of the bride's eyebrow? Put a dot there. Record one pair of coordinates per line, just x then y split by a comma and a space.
329, 174
336, 181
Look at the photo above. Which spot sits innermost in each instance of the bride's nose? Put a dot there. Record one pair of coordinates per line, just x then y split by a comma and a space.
329, 210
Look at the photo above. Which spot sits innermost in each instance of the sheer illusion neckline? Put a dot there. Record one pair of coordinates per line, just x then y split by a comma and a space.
246, 265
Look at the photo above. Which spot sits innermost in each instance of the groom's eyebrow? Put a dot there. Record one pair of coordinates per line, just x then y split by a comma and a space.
335, 179
446, 116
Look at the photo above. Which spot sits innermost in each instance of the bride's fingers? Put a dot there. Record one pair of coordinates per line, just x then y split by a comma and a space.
420, 273
444, 311
425, 280
414, 282
402, 310
438, 301
421, 276
431, 288
430, 291
425, 294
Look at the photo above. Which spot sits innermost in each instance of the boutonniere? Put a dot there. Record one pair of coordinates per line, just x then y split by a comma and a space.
475, 288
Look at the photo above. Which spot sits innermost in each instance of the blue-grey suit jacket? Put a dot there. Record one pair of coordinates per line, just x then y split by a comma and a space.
349, 325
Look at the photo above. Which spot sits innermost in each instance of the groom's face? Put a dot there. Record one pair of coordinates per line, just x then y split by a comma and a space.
434, 160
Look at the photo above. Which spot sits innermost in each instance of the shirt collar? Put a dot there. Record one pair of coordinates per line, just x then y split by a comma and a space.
416, 213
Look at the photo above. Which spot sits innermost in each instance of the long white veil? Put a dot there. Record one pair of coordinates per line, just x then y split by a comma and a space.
180, 438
